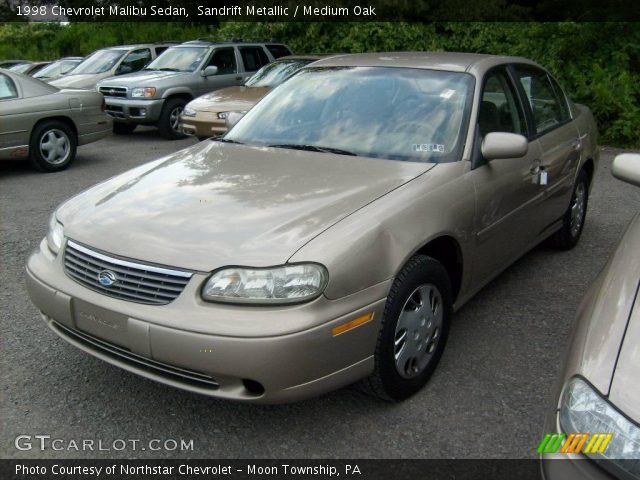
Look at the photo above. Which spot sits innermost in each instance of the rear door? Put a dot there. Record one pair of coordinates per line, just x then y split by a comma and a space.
505, 189
14, 127
253, 59
559, 140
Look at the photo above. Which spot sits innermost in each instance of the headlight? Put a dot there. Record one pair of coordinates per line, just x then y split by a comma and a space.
223, 115
286, 284
55, 234
582, 409
146, 92
188, 112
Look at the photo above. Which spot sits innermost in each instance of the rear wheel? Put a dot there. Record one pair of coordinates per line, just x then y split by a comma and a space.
414, 330
169, 123
573, 220
53, 146
123, 128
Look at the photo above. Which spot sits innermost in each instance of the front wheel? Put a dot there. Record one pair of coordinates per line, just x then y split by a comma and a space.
52, 146
414, 330
169, 123
569, 234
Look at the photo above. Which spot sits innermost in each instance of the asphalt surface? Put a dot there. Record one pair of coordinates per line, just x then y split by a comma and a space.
486, 400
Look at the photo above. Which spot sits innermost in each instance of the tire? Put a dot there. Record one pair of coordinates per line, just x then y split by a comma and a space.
169, 123
569, 234
124, 128
416, 321
52, 146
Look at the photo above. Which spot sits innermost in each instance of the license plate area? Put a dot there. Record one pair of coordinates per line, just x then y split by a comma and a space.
102, 323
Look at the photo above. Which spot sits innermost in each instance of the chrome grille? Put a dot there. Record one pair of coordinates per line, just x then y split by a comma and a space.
137, 362
132, 281
114, 91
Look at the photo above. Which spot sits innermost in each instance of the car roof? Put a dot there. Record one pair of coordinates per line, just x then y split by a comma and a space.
140, 45
451, 61
30, 87
312, 57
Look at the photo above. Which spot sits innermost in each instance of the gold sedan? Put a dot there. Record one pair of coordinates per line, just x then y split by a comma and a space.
44, 124
206, 115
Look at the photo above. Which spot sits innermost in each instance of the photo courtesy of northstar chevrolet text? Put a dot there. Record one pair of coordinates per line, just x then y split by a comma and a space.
244, 234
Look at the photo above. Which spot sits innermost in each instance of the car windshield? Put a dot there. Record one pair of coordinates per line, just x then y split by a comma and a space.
179, 59
20, 68
275, 73
57, 68
100, 61
382, 112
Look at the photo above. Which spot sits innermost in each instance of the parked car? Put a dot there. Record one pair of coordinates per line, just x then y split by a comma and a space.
58, 68
107, 62
598, 391
326, 238
29, 68
206, 115
158, 94
11, 63
44, 124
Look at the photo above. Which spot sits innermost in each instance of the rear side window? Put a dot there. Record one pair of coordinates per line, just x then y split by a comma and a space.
136, 60
159, 50
253, 58
7, 88
278, 50
225, 60
548, 109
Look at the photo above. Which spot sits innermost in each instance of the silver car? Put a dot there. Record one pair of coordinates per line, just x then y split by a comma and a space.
592, 428
45, 124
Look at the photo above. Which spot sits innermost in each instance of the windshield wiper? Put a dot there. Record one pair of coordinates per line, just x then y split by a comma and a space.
314, 148
167, 69
227, 140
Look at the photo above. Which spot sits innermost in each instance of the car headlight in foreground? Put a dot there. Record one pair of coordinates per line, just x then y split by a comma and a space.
188, 112
55, 234
284, 284
582, 409
143, 92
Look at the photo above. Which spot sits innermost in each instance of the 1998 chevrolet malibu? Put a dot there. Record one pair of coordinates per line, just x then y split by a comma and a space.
329, 236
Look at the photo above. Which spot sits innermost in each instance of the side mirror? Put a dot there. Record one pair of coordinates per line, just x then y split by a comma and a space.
233, 118
124, 68
497, 145
626, 167
209, 71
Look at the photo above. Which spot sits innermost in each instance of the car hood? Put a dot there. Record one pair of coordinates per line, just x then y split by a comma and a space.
603, 319
217, 204
80, 80
625, 389
229, 99
142, 78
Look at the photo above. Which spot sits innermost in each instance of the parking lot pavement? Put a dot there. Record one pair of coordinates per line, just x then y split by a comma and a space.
486, 399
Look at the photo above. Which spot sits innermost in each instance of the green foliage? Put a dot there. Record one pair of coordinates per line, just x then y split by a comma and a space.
598, 63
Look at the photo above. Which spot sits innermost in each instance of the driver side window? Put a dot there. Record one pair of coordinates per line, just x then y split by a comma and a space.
135, 61
499, 108
225, 60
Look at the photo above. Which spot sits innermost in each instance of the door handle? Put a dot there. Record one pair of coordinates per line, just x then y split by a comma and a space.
575, 146
535, 167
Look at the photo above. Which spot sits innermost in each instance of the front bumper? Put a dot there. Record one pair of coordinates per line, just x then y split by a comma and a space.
190, 344
204, 124
134, 111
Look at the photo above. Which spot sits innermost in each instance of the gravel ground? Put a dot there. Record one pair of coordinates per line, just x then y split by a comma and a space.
486, 400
